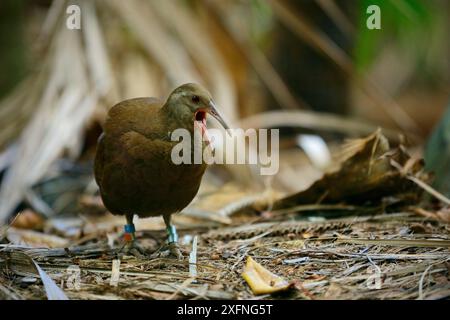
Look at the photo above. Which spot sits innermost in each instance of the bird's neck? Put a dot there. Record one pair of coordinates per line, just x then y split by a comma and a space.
177, 117
180, 117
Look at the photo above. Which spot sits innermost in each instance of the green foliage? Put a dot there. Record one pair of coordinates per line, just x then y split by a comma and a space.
261, 21
408, 23
437, 154
12, 53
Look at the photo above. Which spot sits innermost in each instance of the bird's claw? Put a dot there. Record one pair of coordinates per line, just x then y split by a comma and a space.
134, 249
175, 251
171, 250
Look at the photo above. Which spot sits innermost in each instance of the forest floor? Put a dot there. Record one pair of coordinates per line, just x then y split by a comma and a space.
365, 230
385, 256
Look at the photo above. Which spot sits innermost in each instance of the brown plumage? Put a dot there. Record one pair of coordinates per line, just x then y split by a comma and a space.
133, 165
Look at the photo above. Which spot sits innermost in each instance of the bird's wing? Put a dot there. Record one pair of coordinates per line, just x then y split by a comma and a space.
139, 147
99, 159
146, 159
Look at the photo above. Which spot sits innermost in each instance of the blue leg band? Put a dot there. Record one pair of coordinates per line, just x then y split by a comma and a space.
129, 228
172, 232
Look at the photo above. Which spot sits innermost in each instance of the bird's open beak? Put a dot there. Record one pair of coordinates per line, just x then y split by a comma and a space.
213, 111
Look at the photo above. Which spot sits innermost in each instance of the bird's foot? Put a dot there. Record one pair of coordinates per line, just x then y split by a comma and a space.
171, 250
174, 251
134, 249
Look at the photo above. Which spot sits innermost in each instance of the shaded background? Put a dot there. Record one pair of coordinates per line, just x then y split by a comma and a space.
307, 66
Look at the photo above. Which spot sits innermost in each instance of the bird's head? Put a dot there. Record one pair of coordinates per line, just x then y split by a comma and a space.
191, 102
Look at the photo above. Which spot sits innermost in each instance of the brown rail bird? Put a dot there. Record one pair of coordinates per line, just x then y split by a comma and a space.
133, 164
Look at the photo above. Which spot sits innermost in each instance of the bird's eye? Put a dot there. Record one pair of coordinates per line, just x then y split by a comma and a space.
195, 99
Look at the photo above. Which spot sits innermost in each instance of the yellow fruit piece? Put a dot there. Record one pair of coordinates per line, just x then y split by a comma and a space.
261, 280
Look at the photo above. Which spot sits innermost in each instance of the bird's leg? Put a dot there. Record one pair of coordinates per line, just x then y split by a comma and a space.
172, 238
130, 230
129, 236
